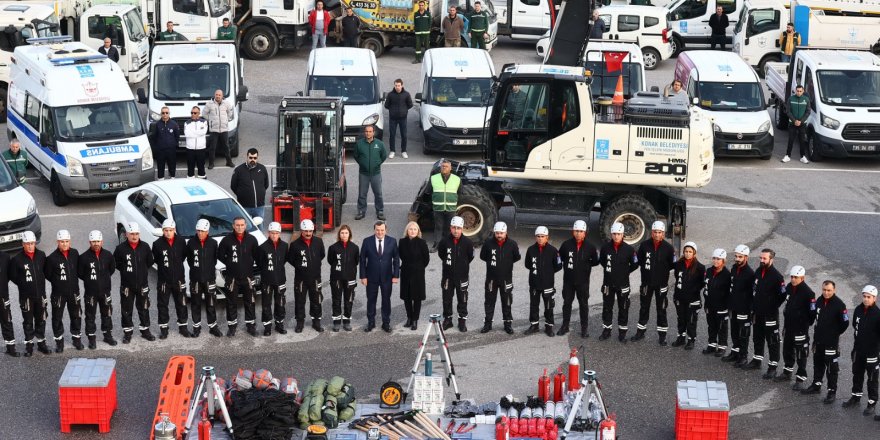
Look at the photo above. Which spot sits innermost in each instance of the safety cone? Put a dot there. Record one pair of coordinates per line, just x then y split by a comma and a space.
618, 92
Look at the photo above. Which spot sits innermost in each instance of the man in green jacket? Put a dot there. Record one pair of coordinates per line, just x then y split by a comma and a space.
170, 34
370, 153
228, 31
797, 109
479, 24
17, 160
422, 25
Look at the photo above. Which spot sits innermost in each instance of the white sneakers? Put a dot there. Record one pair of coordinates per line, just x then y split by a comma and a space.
787, 159
405, 156
784, 159
804, 159
391, 155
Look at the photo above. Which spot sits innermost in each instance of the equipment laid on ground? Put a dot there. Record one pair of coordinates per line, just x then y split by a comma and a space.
87, 393
309, 181
175, 393
390, 395
701, 410
165, 429
213, 396
327, 403
597, 411
446, 360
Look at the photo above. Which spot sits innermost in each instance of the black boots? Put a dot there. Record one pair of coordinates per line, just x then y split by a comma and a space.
709, 350
279, 328
814, 388
584, 332
754, 364
661, 339
11, 351
679, 341
548, 329
640, 334
184, 331
43, 348
830, 397
298, 328
59, 346
621, 336
606, 333
531, 330
447, 323
93, 342
230, 331
163, 333
336, 324
197, 331
563, 329
215, 332
267, 330
689, 345
126, 337
251, 329
28, 349
853, 401
730, 357
147, 335
316, 324
462, 325
784, 377
508, 328
346, 325
770, 374
487, 327
77, 342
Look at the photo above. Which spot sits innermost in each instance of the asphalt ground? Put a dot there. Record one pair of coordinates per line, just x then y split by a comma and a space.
821, 216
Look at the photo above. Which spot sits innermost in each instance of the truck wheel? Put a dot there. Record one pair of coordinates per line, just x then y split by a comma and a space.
260, 43
476, 207
762, 65
59, 198
651, 58
677, 45
780, 116
3, 92
812, 149
374, 44
636, 214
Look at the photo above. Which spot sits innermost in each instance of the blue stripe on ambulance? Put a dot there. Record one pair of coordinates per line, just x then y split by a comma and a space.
35, 138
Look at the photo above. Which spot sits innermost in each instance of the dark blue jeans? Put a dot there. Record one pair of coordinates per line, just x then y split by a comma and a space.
393, 124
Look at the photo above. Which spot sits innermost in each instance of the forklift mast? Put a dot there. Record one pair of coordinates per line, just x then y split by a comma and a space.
569, 38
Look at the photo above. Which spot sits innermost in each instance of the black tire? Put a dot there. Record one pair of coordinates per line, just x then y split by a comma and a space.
780, 117
762, 65
813, 152
120, 235
373, 43
477, 208
59, 197
651, 58
636, 214
3, 93
260, 43
677, 45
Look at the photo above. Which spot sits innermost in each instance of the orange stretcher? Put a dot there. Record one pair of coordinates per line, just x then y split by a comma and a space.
175, 393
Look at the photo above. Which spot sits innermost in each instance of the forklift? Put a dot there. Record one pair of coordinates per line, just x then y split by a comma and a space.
309, 179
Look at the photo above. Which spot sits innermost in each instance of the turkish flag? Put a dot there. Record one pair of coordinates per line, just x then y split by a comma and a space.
614, 61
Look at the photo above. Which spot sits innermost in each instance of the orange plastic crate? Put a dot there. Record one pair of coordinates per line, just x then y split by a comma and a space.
93, 402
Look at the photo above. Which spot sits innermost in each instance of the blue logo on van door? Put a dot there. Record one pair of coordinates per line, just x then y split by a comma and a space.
683, 27
85, 72
112, 149
602, 148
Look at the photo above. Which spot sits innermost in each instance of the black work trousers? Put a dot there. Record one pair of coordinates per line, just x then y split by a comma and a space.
825, 361
218, 142
203, 293
311, 290
865, 364
413, 309
717, 321
94, 302
569, 294
195, 159
740, 330
245, 289
34, 311
342, 293
274, 297
71, 302
535, 297
799, 133
130, 299
167, 290
795, 349
766, 331
494, 289
165, 158
6, 322
459, 290
646, 295
687, 313
609, 294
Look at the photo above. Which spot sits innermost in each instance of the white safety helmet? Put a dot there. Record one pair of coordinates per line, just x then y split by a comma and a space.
870, 290
691, 245
63, 234
742, 250
132, 228
500, 227
274, 227
658, 226
798, 271
306, 225
617, 228
579, 225
203, 225
96, 235
542, 230
719, 253
169, 224
28, 237
457, 222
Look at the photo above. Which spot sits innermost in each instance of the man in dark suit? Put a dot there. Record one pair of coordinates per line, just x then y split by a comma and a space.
380, 267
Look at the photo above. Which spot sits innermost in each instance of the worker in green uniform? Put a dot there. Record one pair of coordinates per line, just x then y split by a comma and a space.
479, 23
444, 199
422, 24
228, 31
17, 160
170, 34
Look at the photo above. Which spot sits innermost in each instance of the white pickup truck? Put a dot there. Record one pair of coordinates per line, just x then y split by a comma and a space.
844, 91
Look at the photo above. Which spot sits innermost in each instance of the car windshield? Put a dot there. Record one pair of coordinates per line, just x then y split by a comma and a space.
97, 122
604, 83
744, 97
218, 7
459, 92
135, 25
220, 213
7, 182
856, 88
354, 90
190, 81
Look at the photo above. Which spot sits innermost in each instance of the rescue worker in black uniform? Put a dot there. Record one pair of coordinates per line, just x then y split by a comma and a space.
344, 259
456, 253
134, 259
238, 251
26, 271
305, 255
94, 268
656, 257
578, 259
201, 255
500, 255
742, 280
769, 294
689, 282
6, 313
169, 253
618, 260
866, 349
273, 253
542, 262
799, 314
60, 270
716, 298
832, 320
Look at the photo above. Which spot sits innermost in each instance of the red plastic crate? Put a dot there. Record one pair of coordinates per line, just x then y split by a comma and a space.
88, 405
700, 424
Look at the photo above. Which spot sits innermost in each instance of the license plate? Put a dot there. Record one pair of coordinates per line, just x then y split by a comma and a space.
864, 148
349, 139
464, 142
11, 237
739, 146
106, 186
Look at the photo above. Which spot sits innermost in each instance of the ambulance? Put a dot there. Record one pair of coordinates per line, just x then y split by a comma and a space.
74, 113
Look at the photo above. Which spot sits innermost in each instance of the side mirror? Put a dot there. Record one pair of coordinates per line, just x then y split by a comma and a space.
142, 95
257, 221
383, 95
242, 94
48, 141
157, 232
122, 50
419, 97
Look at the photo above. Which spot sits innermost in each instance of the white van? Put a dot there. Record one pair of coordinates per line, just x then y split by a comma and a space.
453, 108
353, 75
729, 90
689, 20
75, 115
19, 211
185, 74
646, 25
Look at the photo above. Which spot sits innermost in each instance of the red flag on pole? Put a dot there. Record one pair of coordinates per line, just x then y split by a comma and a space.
614, 61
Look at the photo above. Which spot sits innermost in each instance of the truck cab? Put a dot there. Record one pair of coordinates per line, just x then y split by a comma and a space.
186, 74
124, 26
195, 19
689, 20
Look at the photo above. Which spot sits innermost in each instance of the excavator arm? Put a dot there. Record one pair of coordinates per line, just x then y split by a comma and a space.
570, 35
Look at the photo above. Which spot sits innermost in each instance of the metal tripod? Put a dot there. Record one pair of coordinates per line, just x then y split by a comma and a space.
590, 385
441, 337
212, 394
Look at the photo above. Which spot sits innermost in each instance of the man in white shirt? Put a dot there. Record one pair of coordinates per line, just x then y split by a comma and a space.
195, 130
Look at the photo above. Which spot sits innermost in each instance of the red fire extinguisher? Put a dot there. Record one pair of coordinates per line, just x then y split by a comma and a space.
574, 371
558, 385
544, 387
608, 428
205, 426
501, 429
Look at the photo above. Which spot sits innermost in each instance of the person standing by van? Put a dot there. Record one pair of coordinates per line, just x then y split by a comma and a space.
195, 130
219, 113
718, 23
798, 110
319, 20
788, 41
453, 26
17, 160
370, 153
170, 34
351, 28
109, 50
228, 31
164, 135
422, 26
398, 104
479, 20
598, 26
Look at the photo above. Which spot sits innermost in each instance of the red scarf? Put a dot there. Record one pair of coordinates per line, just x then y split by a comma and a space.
65, 253
616, 246
30, 254
688, 263
240, 237
133, 245
171, 241
656, 245
579, 243
500, 242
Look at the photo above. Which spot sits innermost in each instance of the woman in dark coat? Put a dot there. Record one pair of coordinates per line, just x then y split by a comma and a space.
414, 258
343, 258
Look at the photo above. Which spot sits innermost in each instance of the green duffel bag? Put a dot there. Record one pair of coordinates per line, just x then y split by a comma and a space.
345, 396
318, 387
303, 414
330, 417
315, 408
335, 385
346, 414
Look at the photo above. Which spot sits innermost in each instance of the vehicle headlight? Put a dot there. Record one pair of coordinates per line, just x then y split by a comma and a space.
74, 167
716, 128
147, 160
370, 120
765, 127
32, 208
435, 121
135, 60
829, 122
154, 116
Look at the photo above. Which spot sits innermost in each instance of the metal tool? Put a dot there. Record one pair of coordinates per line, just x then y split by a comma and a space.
213, 395
589, 384
435, 325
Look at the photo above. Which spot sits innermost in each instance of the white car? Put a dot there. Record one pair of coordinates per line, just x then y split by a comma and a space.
185, 201
19, 211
